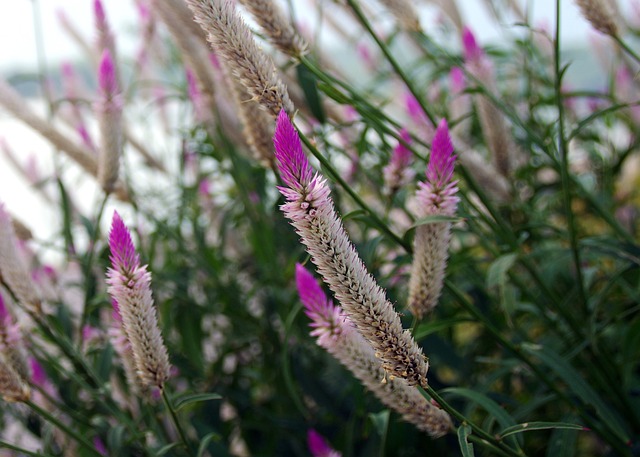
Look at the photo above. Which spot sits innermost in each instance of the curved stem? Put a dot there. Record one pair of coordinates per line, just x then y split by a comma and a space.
394, 63
66, 429
176, 422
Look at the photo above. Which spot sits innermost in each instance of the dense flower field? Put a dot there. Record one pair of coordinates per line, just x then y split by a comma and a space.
411, 246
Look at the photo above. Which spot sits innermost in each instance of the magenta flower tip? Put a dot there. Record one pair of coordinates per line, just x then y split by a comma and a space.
3, 310
292, 162
38, 375
311, 294
107, 74
440, 169
472, 51
318, 446
99, 445
456, 79
98, 10
123, 254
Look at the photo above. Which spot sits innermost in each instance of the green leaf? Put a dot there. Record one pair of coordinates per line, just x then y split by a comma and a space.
530, 426
465, 446
334, 93
428, 328
189, 399
497, 274
494, 409
204, 442
579, 387
380, 421
164, 449
309, 84
562, 442
356, 213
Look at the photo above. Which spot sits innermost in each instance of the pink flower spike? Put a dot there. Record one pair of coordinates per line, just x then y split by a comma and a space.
328, 320
38, 375
456, 80
107, 74
98, 10
440, 170
472, 52
123, 254
318, 446
292, 162
4, 314
99, 445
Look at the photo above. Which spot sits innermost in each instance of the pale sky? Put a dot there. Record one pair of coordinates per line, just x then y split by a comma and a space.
17, 38
18, 52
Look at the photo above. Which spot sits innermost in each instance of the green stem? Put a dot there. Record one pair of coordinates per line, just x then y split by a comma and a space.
176, 422
626, 48
88, 267
5, 445
564, 167
486, 438
66, 429
394, 63
352, 193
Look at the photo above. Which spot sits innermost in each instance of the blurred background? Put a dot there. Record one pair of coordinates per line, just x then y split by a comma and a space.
33, 40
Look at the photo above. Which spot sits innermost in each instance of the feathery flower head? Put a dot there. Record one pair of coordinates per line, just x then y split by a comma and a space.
472, 52
328, 319
107, 80
601, 15
130, 286
318, 446
124, 257
12, 268
292, 162
312, 213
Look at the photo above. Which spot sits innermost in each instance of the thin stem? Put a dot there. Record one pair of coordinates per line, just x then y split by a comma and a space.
486, 438
66, 429
564, 167
394, 63
176, 422
88, 266
5, 445
626, 48
352, 193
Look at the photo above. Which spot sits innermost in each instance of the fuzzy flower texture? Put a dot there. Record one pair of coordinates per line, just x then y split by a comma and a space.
336, 334
435, 197
130, 287
311, 211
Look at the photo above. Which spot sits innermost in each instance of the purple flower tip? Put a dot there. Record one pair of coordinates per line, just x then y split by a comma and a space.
318, 446
456, 79
99, 445
440, 169
311, 294
472, 51
38, 375
107, 74
123, 254
292, 163
3, 310
98, 10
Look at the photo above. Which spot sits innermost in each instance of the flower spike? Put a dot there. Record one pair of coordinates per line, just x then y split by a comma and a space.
336, 334
310, 208
130, 286
436, 196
